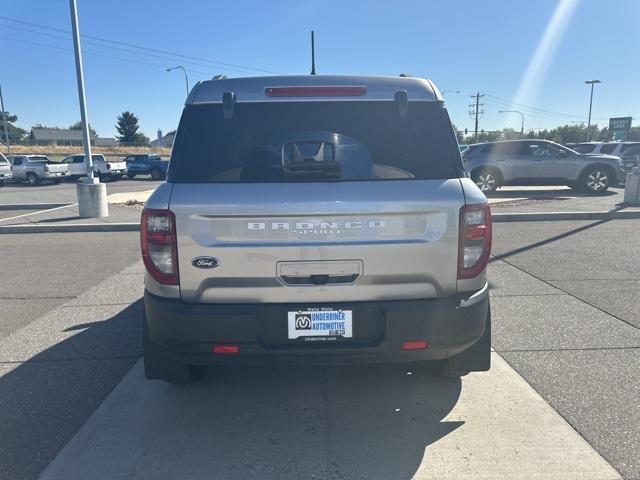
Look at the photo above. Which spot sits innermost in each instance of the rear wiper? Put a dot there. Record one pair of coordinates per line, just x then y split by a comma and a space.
312, 169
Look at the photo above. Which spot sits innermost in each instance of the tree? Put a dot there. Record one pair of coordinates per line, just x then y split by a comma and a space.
78, 126
16, 134
127, 127
141, 139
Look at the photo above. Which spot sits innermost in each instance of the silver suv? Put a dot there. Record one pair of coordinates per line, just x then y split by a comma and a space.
539, 162
315, 219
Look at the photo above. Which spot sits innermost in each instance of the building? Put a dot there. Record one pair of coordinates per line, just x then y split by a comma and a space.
164, 140
66, 138
55, 136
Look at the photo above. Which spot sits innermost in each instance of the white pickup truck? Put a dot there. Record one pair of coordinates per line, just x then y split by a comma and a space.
35, 168
101, 167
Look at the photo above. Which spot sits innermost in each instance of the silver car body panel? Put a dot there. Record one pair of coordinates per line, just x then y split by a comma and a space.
379, 240
252, 89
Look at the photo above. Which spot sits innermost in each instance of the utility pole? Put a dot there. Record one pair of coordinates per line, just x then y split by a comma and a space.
313, 54
92, 195
474, 110
4, 120
592, 82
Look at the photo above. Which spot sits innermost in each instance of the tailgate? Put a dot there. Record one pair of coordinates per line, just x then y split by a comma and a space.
57, 167
117, 165
318, 242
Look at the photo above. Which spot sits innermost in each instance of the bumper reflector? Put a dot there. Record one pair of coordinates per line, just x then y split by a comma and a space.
415, 345
225, 349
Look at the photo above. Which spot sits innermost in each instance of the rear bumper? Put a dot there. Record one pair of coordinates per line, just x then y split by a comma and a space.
187, 332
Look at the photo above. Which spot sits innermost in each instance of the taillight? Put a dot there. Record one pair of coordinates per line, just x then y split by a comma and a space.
475, 240
159, 245
320, 91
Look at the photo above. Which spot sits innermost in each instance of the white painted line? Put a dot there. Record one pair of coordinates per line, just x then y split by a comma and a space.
374, 422
38, 212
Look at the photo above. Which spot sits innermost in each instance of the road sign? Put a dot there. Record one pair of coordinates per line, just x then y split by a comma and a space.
620, 126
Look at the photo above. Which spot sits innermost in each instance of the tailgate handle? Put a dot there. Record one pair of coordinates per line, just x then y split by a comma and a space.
320, 272
319, 279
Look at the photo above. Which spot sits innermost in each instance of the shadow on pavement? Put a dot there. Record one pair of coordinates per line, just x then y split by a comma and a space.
531, 246
45, 400
372, 421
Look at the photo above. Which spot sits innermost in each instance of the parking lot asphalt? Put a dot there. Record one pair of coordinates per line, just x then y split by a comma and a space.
43, 401
66, 191
575, 345
566, 317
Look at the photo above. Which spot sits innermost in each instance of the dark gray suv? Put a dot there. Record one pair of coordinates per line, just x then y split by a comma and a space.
539, 162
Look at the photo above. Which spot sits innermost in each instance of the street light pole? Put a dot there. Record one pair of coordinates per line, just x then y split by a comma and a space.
592, 82
446, 91
92, 195
4, 121
521, 115
186, 79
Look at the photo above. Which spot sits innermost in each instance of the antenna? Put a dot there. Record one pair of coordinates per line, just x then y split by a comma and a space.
313, 55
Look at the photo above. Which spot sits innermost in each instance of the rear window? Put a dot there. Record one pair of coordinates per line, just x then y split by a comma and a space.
608, 148
313, 141
507, 148
38, 158
629, 146
584, 148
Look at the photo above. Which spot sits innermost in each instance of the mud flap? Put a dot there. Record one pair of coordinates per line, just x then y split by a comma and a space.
476, 358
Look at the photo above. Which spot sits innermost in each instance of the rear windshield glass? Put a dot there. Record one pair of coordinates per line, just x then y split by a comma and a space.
313, 141
584, 148
606, 149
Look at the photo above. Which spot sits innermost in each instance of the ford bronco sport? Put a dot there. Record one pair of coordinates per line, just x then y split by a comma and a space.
315, 219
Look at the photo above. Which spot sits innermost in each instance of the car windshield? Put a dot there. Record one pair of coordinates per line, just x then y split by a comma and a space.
293, 141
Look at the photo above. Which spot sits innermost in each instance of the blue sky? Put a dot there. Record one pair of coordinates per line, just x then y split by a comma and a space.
469, 46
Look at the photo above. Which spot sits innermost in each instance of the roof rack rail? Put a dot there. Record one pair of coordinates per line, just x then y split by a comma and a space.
408, 75
219, 77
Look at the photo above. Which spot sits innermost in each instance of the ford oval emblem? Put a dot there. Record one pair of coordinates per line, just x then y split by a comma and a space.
205, 262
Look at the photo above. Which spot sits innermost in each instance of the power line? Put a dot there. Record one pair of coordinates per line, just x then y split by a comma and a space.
89, 42
561, 114
131, 45
31, 42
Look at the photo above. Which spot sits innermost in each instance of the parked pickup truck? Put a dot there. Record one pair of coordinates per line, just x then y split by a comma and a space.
101, 167
35, 168
5, 169
147, 164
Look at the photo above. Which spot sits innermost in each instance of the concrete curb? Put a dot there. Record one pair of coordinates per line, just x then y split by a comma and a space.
32, 206
554, 216
70, 228
497, 218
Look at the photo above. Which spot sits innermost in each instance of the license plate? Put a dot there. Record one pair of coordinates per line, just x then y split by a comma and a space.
320, 322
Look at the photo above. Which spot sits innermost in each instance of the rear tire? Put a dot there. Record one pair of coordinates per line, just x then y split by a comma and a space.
487, 180
156, 174
158, 365
33, 179
596, 180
